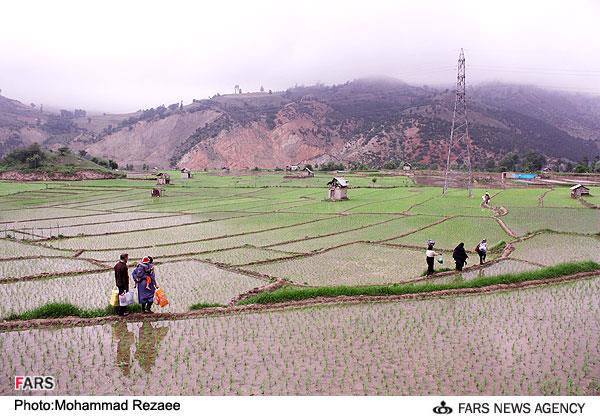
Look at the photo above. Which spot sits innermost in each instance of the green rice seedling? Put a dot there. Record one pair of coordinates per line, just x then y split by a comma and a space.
294, 293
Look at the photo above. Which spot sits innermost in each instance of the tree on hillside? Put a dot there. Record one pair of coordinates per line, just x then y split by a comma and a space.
490, 164
59, 125
64, 150
32, 155
391, 165
331, 166
66, 114
583, 166
82, 153
33, 161
161, 109
534, 161
510, 162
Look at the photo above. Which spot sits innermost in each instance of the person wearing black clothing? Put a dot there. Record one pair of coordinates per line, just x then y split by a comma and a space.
122, 281
460, 256
430, 255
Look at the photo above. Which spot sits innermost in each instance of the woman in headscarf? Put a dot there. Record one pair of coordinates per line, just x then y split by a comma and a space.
481, 250
460, 256
430, 255
145, 280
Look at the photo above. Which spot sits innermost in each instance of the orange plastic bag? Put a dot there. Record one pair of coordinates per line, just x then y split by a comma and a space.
161, 298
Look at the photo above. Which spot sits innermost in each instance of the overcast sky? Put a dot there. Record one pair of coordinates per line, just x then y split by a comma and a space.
125, 55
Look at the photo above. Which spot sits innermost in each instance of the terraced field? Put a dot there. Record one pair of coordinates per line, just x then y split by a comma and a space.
527, 220
215, 238
550, 248
450, 233
14, 269
354, 264
186, 282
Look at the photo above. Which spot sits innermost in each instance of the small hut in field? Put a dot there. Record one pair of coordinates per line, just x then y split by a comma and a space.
186, 173
163, 178
407, 167
155, 193
307, 172
338, 189
579, 190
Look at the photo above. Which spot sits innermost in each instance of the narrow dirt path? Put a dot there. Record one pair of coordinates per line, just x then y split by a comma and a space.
541, 198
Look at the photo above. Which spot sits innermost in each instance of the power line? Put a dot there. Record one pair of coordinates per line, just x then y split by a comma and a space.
588, 73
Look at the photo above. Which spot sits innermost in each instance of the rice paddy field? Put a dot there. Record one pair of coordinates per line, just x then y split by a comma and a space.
218, 238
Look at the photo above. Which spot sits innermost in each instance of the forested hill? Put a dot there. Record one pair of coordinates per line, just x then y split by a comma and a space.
368, 121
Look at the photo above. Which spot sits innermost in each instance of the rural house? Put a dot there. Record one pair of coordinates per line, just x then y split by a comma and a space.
163, 178
338, 189
307, 172
579, 190
407, 167
186, 173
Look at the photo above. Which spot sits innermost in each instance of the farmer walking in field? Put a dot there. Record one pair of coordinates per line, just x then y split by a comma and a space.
485, 200
460, 256
430, 255
122, 281
145, 280
481, 250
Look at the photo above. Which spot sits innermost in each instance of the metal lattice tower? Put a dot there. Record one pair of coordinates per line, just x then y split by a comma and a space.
459, 134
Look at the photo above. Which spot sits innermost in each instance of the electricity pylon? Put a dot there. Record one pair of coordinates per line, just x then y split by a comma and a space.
460, 125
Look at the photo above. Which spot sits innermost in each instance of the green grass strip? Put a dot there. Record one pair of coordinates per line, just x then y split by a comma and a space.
201, 305
59, 310
285, 294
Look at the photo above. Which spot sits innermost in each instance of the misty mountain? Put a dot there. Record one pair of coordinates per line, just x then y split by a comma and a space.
368, 120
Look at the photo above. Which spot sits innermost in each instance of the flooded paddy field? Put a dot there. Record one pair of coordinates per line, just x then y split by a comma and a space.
529, 342
215, 239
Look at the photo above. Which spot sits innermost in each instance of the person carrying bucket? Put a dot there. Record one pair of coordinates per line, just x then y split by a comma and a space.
122, 281
481, 250
430, 255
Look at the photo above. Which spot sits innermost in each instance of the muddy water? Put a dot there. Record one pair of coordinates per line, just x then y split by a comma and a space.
537, 341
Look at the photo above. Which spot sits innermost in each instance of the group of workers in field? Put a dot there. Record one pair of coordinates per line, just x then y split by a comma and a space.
459, 255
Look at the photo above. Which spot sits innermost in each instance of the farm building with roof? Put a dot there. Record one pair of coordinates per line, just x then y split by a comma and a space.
163, 178
579, 190
186, 173
338, 189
